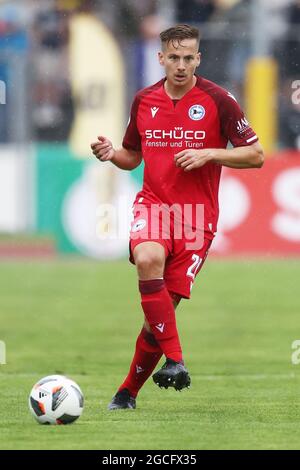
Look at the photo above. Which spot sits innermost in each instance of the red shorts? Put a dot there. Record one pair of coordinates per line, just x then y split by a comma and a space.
184, 257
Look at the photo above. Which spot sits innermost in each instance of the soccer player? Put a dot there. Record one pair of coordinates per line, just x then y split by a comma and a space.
180, 127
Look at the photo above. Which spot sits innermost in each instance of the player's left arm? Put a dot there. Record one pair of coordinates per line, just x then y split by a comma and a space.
246, 152
248, 156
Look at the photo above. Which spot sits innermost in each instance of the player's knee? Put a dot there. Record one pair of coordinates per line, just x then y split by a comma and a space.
148, 263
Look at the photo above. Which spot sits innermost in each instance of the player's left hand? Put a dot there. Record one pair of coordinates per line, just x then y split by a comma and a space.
191, 159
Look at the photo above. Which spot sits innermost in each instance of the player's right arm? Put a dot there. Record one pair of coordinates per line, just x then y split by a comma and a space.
129, 156
125, 159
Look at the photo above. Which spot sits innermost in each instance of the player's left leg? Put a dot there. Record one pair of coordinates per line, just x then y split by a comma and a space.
146, 356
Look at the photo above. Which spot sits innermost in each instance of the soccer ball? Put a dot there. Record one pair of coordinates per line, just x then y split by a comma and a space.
56, 399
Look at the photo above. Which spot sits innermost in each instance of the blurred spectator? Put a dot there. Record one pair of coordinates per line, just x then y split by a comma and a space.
53, 110
148, 69
291, 52
238, 20
194, 11
214, 45
51, 29
14, 43
130, 13
287, 52
290, 126
289, 118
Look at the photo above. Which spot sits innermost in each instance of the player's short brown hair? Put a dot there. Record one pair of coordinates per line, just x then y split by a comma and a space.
178, 33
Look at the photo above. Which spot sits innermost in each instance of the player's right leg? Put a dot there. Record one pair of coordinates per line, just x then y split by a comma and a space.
156, 302
160, 314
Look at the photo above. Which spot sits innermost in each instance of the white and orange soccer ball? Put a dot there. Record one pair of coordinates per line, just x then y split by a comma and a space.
56, 399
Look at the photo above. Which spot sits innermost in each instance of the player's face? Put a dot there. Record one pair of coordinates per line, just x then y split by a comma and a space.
180, 60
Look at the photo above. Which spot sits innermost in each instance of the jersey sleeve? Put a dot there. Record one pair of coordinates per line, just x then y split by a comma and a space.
132, 138
234, 125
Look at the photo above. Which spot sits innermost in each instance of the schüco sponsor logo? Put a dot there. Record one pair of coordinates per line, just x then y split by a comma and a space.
175, 134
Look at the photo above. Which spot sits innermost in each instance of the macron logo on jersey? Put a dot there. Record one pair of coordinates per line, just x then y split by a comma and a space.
154, 110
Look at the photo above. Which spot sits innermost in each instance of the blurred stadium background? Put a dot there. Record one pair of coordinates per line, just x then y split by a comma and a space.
68, 72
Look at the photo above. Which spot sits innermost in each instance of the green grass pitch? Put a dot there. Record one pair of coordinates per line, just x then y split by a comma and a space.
81, 318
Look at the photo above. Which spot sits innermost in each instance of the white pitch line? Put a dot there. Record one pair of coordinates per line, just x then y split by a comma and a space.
197, 376
246, 376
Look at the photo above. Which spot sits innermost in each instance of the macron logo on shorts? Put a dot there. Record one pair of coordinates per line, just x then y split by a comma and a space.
160, 327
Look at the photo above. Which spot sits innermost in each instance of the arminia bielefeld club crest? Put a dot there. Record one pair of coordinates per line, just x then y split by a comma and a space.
196, 112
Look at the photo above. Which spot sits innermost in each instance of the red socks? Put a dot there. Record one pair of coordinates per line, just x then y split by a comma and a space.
160, 314
146, 356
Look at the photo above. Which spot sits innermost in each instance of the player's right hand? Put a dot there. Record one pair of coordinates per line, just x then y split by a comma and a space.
103, 149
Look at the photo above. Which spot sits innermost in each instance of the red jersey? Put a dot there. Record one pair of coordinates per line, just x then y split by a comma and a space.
207, 116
